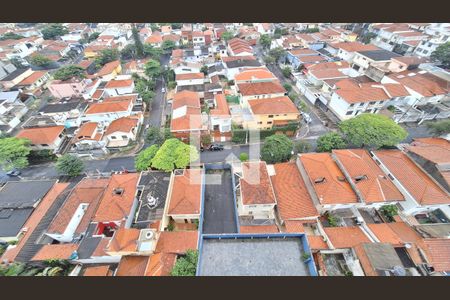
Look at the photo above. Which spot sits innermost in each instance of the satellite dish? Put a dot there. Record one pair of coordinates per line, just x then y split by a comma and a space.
149, 235
399, 271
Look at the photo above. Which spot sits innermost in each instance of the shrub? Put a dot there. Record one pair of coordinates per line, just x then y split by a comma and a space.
389, 211
302, 147
276, 148
187, 265
330, 141
243, 156
69, 165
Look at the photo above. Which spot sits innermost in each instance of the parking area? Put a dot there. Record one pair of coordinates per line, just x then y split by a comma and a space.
252, 257
219, 208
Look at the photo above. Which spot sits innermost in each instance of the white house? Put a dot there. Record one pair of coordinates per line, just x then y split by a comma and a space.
190, 79
119, 87
122, 131
110, 109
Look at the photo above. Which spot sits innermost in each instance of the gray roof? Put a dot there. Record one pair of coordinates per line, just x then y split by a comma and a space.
379, 55
9, 96
61, 107
243, 63
382, 256
12, 220
193, 88
24, 194
14, 74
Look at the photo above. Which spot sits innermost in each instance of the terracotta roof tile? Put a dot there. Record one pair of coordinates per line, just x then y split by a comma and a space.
88, 129
294, 226
35, 76
439, 253
41, 135
276, 105
259, 229
55, 251
112, 104
97, 271
112, 84
436, 150
222, 109
132, 266
177, 242
354, 46
101, 247
327, 73
316, 242
108, 68
124, 240
415, 180
256, 186
160, 264
186, 193
374, 186
124, 124
334, 189
114, 206
293, 199
260, 88
346, 237
385, 234
189, 76
328, 65
88, 191
254, 74
426, 84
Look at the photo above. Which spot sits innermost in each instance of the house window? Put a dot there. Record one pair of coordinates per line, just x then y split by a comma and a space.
425, 51
113, 137
372, 102
124, 137
349, 113
44, 145
270, 122
351, 105
259, 122
361, 104
270, 116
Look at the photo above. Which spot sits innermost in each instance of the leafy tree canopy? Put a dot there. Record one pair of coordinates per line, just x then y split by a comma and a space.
187, 265
277, 53
372, 131
168, 45
106, 56
11, 36
265, 40
152, 68
40, 60
68, 72
53, 31
440, 127
174, 154
226, 36
330, 141
442, 55
144, 158
276, 148
69, 165
13, 153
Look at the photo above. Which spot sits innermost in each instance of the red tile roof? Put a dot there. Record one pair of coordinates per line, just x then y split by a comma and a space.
115, 207
375, 186
328, 65
97, 271
185, 197
124, 124
160, 264
189, 76
334, 188
436, 150
346, 237
425, 84
35, 76
327, 74
316, 242
385, 234
277, 105
424, 190
41, 135
260, 88
132, 266
222, 109
256, 186
119, 83
177, 242
88, 129
55, 251
187, 98
112, 104
108, 68
294, 226
124, 240
259, 229
87, 191
439, 253
254, 74
354, 46
293, 199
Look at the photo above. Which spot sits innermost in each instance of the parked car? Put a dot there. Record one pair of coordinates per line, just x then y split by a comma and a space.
163, 90
14, 173
215, 147
306, 117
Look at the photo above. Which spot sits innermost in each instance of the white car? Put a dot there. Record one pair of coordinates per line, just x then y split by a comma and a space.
307, 118
163, 90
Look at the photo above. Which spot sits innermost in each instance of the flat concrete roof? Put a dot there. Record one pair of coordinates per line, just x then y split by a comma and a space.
253, 257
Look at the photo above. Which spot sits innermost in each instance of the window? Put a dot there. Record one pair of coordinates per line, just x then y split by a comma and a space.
270, 116
349, 113
361, 104
351, 105
372, 102
113, 137
270, 122
124, 137
425, 51
259, 122
44, 145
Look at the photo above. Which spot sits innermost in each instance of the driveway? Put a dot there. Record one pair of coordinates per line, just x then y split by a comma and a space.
219, 208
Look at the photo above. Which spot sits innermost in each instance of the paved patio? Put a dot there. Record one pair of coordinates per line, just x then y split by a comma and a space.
252, 257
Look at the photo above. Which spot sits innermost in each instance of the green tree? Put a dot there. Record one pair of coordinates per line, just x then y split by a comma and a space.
11, 36
243, 156
17, 63
226, 36
152, 68
168, 45
89, 38
277, 53
53, 31
137, 42
176, 25
69, 165
372, 131
366, 38
302, 147
330, 141
143, 160
442, 55
269, 60
265, 40
204, 70
13, 153
106, 56
68, 72
174, 154
276, 148
287, 87
206, 139
40, 60
439, 128
128, 52
186, 265
153, 52
154, 135
286, 72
